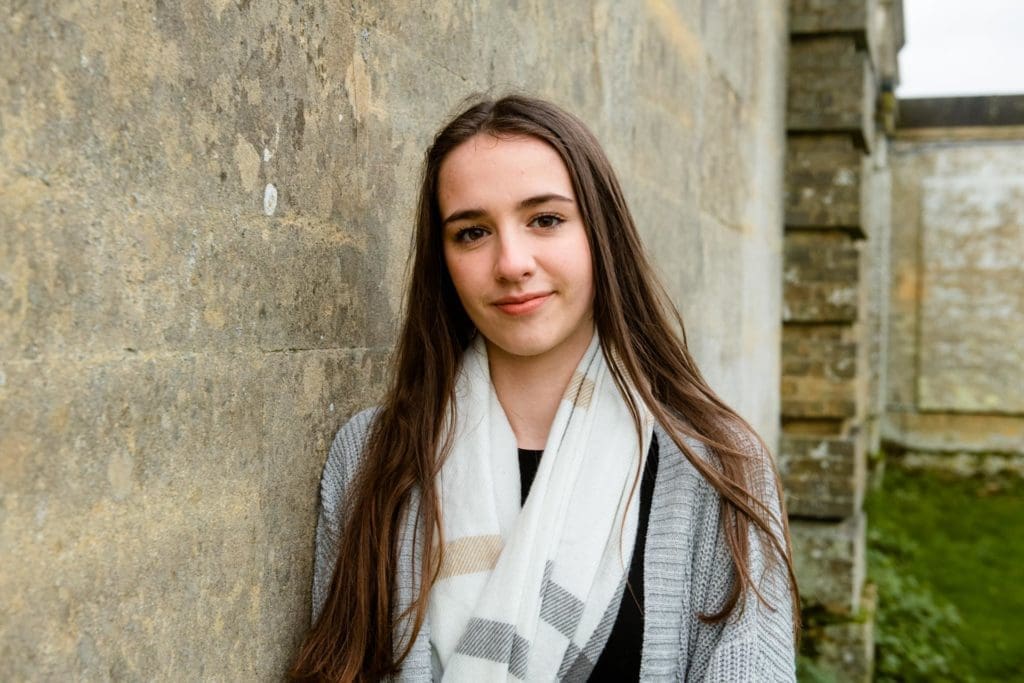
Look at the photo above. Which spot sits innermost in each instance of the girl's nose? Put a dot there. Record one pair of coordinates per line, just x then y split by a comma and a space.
515, 260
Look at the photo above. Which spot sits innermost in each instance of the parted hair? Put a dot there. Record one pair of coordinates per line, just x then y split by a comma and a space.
354, 635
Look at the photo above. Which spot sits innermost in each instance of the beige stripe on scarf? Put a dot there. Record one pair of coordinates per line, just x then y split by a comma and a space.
470, 554
580, 390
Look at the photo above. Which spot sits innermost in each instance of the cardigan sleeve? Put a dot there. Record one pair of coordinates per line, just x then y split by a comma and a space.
343, 461
340, 469
757, 644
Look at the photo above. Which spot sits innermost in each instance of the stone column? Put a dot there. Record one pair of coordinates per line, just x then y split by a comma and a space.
842, 61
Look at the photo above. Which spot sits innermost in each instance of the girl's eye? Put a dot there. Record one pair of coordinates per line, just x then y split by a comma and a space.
547, 220
469, 234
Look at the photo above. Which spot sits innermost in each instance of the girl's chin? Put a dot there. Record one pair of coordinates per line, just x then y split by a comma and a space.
531, 347
521, 348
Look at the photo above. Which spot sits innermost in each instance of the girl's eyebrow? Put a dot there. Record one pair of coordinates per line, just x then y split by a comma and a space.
465, 214
543, 198
473, 214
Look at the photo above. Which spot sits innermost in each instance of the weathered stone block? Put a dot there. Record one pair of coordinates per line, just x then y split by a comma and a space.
146, 496
724, 157
830, 16
726, 37
829, 562
823, 182
831, 88
964, 464
971, 357
949, 433
161, 280
824, 477
874, 24
819, 364
821, 280
847, 648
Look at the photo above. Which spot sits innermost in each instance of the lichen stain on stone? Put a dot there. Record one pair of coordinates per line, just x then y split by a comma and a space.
15, 458
166, 63
840, 297
300, 124
59, 417
120, 468
247, 159
214, 317
218, 7
845, 177
359, 89
223, 95
906, 285
65, 103
19, 129
675, 29
124, 47
313, 383
17, 277
252, 89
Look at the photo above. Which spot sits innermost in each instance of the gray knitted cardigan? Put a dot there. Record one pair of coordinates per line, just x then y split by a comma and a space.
687, 571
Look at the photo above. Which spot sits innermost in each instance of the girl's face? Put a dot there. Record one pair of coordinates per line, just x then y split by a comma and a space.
516, 247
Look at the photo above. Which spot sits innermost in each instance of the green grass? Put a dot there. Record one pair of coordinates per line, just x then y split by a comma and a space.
807, 671
947, 554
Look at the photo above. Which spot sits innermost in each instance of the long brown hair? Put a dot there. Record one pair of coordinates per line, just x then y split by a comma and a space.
353, 638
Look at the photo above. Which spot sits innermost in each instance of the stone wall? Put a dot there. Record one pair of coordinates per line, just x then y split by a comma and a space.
204, 221
842, 71
956, 386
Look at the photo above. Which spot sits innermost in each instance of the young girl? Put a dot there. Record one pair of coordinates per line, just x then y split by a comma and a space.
550, 489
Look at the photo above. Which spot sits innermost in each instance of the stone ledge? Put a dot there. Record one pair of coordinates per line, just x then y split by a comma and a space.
821, 277
876, 25
953, 432
831, 16
823, 182
831, 88
830, 562
823, 477
988, 465
847, 648
819, 371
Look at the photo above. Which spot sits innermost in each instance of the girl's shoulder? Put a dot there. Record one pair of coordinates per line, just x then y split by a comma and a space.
760, 467
343, 461
668, 448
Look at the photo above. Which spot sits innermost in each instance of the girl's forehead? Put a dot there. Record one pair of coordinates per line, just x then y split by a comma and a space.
492, 168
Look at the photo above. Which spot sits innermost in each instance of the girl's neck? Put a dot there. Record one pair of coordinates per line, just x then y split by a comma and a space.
530, 388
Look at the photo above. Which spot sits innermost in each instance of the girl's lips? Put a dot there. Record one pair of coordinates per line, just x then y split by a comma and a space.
523, 307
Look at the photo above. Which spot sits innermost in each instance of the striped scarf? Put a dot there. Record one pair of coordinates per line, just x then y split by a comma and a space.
532, 593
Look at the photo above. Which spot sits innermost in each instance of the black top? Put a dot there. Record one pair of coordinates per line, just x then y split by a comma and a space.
620, 659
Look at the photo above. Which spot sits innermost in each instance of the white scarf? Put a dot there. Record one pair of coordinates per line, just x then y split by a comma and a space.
532, 593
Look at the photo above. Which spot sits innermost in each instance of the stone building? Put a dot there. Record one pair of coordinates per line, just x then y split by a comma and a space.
956, 355
205, 212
